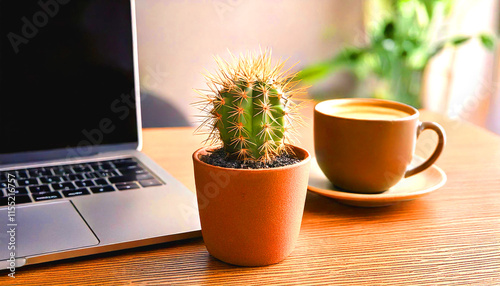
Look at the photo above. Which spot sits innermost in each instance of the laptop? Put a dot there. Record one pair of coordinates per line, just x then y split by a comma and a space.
73, 181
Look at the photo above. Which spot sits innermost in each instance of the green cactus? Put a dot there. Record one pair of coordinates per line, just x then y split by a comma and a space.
249, 108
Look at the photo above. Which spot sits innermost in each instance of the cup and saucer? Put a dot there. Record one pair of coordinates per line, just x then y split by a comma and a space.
364, 153
407, 189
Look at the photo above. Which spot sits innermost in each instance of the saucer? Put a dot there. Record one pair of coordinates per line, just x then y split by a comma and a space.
407, 189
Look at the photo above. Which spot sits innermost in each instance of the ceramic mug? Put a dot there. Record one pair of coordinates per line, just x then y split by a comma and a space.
366, 145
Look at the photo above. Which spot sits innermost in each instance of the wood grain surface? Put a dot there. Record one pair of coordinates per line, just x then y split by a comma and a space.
451, 236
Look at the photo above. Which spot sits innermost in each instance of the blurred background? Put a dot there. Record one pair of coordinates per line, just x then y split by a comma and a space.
440, 55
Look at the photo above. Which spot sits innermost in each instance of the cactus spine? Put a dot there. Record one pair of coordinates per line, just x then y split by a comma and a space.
248, 107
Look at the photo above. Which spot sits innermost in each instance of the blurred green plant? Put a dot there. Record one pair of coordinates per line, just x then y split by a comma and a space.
401, 40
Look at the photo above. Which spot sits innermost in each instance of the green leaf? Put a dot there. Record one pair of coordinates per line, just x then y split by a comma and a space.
455, 41
488, 41
429, 7
389, 30
346, 58
459, 40
314, 72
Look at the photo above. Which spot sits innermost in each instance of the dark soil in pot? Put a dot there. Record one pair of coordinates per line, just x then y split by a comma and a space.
219, 158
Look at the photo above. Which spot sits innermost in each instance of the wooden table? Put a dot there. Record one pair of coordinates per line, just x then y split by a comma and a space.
449, 236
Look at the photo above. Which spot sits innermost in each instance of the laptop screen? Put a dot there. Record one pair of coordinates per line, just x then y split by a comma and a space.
66, 75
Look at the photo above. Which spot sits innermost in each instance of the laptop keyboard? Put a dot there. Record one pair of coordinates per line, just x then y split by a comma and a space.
72, 180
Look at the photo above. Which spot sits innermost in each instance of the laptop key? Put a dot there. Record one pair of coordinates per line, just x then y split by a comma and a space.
62, 172
106, 173
149, 183
102, 189
45, 173
47, 196
145, 176
123, 160
36, 173
82, 169
132, 171
95, 165
17, 191
126, 186
20, 199
51, 180
22, 174
101, 182
75, 177
90, 175
27, 182
130, 164
75, 193
106, 166
86, 183
63, 186
6, 175
129, 178
39, 189
122, 179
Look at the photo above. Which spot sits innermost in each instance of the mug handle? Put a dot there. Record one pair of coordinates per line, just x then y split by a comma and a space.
439, 148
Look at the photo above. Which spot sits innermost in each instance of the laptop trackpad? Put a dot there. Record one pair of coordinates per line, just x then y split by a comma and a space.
44, 228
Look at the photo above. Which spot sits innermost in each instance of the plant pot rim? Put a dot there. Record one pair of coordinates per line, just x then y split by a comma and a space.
303, 161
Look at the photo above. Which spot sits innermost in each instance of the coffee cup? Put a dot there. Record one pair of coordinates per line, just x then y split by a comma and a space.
367, 145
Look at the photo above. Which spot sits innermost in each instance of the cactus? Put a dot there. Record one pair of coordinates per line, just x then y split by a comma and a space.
248, 107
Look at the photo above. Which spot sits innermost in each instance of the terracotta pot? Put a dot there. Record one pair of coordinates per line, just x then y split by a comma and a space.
251, 217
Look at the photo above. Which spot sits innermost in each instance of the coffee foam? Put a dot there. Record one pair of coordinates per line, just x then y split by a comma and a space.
363, 112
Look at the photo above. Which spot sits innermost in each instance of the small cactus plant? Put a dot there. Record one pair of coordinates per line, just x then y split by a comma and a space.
248, 107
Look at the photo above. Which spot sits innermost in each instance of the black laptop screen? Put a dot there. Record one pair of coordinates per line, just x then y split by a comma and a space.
66, 74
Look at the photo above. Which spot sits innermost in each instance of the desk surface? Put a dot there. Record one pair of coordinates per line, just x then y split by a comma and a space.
451, 235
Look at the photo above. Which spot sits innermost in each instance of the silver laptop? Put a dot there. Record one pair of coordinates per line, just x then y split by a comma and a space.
73, 181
